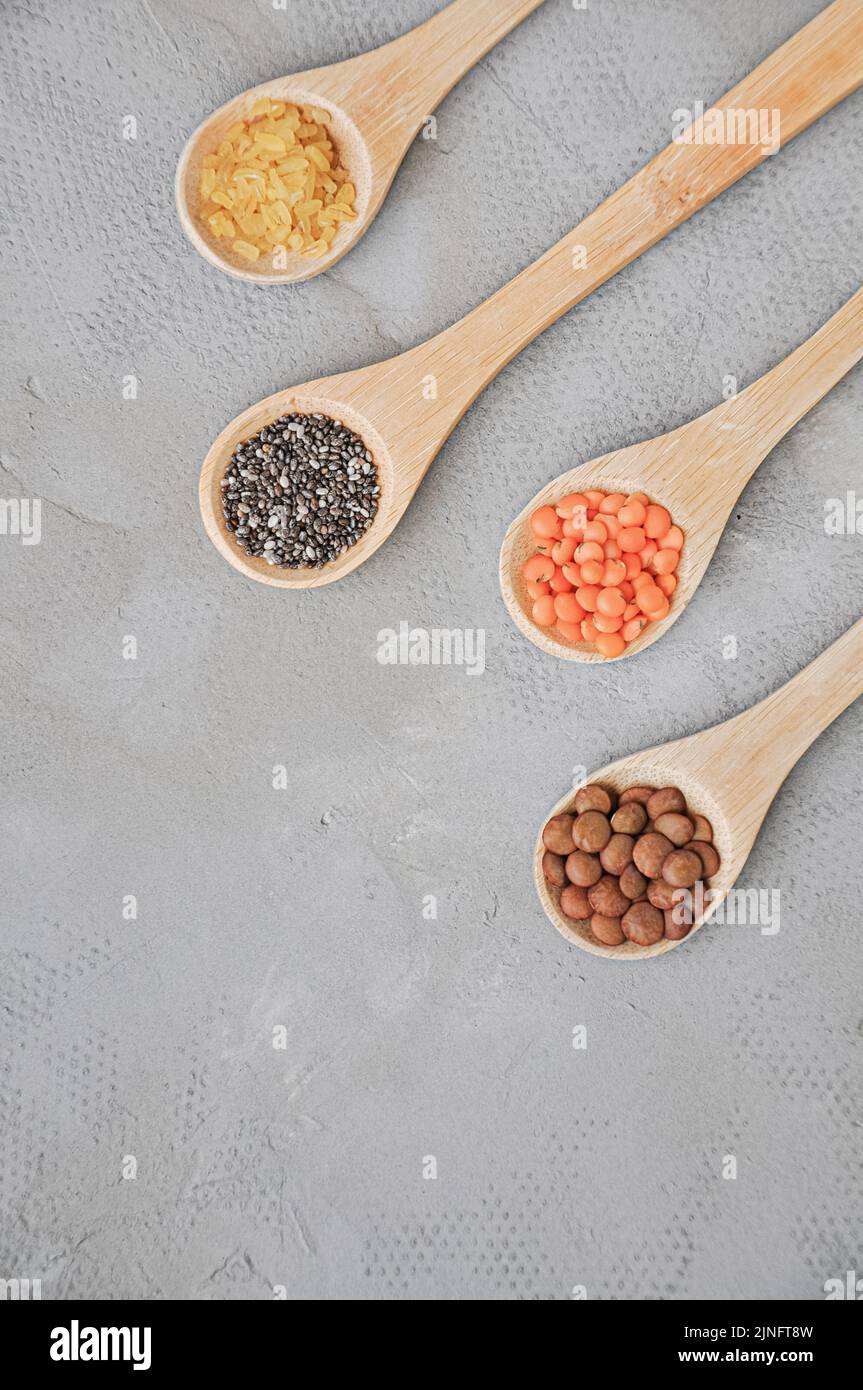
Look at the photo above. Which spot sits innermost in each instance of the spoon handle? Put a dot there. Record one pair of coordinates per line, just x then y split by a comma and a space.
415, 72
762, 414
815, 69
769, 738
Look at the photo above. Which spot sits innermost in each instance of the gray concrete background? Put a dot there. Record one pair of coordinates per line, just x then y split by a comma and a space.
303, 908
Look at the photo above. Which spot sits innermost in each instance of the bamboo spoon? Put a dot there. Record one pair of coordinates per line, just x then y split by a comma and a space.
406, 407
697, 471
377, 102
729, 773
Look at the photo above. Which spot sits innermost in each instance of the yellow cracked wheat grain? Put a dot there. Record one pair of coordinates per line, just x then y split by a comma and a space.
275, 181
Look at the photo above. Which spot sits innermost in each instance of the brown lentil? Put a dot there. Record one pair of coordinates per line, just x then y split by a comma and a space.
583, 869
676, 827
574, 903
591, 832
666, 799
617, 854
628, 875
643, 924
606, 898
629, 818
593, 798
681, 868
553, 869
607, 929
633, 883
557, 835
650, 852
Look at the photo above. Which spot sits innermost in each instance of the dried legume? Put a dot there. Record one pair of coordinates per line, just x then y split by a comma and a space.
628, 885
604, 568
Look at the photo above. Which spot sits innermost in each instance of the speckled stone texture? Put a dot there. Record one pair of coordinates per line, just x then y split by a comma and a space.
406, 1037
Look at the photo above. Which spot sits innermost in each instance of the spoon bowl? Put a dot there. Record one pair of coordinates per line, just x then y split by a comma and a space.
353, 151
609, 475
696, 472
729, 773
376, 104
652, 768
313, 398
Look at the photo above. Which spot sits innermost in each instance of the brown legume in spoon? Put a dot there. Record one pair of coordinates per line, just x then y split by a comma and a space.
681, 868
643, 924
593, 798
553, 869
583, 869
629, 819
574, 903
557, 835
631, 866
650, 853
591, 832
666, 799
617, 854
606, 898
607, 929
678, 828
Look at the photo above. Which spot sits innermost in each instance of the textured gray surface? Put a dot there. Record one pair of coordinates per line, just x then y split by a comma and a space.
303, 908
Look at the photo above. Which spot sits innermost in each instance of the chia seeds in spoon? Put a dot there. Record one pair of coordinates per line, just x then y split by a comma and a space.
300, 492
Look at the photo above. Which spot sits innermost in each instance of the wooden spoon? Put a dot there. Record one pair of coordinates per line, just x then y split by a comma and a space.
377, 102
406, 407
697, 471
729, 773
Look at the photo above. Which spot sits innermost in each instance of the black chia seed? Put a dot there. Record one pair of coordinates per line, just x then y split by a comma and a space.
301, 492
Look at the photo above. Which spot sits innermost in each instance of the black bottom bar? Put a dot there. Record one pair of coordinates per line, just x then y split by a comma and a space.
236, 1338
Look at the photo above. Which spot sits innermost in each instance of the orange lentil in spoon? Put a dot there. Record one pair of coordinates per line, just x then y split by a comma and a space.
605, 566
